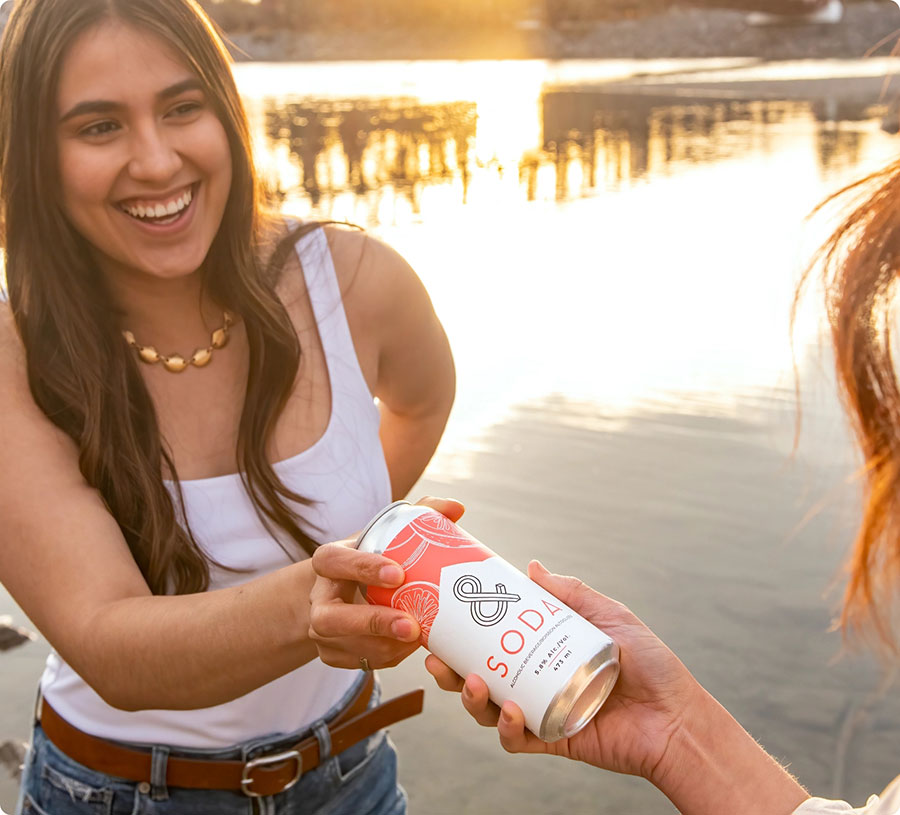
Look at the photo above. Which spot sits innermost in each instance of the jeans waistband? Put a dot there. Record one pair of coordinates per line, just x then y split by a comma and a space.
265, 767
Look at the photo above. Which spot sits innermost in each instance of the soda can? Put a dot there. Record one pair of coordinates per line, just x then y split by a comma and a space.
481, 615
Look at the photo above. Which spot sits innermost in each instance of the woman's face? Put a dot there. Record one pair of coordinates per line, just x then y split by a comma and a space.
145, 165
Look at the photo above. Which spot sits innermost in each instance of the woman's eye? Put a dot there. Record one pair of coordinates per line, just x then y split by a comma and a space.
186, 108
100, 129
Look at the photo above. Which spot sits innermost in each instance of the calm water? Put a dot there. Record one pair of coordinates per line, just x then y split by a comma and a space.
601, 244
614, 260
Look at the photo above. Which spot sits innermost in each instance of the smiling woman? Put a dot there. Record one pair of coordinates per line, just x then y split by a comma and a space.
159, 525
144, 162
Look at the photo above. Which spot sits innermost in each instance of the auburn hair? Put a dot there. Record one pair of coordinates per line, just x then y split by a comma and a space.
859, 266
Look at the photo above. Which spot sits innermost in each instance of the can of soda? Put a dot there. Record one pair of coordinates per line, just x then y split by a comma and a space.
481, 615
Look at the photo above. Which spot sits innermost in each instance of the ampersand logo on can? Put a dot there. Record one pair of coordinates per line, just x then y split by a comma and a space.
468, 589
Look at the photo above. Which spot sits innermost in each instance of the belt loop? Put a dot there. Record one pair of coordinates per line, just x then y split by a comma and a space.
323, 734
158, 764
262, 806
38, 702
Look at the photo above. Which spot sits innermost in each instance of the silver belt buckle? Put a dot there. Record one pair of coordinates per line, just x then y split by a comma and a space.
264, 761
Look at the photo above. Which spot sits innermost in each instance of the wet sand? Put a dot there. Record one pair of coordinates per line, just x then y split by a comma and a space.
692, 520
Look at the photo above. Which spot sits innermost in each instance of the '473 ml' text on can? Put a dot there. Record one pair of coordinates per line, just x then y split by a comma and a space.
481, 615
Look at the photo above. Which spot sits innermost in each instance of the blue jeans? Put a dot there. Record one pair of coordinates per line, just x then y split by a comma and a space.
360, 781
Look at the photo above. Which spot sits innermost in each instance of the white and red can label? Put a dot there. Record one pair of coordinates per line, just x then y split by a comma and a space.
481, 615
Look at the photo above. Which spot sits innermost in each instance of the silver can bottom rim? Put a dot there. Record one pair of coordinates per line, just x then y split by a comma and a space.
578, 702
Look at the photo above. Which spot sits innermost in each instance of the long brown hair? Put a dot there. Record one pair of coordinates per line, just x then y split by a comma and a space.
81, 373
859, 267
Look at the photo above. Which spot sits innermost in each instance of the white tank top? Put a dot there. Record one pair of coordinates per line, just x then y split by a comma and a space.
344, 473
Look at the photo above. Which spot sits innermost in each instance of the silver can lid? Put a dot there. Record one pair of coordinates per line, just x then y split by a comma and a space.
576, 703
377, 518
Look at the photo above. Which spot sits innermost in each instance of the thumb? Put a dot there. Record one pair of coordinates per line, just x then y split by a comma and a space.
570, 590
576, 594
448, 507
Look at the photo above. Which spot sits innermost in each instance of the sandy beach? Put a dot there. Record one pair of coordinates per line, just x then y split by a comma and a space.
695, 522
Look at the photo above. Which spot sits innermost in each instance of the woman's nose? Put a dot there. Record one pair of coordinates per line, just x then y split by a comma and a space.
154, 157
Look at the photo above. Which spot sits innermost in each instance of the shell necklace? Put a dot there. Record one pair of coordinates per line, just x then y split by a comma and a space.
176, 363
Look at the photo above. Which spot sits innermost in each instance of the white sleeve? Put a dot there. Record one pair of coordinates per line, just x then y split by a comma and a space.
888, 803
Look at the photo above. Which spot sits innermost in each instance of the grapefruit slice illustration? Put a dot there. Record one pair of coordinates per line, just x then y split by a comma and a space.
419, 599
406, 548
440, 531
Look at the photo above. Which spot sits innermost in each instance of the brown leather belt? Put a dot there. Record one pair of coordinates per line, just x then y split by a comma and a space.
260, 776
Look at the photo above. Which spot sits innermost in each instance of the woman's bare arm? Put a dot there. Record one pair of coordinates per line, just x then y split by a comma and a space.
65, 561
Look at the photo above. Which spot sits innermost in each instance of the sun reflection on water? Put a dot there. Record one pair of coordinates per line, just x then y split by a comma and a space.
576, 239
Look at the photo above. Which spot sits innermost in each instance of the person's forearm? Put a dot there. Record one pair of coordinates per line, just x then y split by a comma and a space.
712, 765
199, 650
409, 443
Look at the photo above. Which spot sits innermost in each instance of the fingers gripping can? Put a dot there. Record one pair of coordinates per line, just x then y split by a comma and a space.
481, 615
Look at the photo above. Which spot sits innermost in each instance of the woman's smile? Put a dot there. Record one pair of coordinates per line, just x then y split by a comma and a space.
162, 215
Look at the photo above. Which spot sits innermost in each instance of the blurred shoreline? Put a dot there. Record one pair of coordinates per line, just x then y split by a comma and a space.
680, 32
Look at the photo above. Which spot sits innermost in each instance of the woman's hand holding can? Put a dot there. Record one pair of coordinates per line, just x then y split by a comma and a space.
347, 631
478, 613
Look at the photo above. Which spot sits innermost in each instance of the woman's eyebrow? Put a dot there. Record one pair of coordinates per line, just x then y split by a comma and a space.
190, 84
104, 106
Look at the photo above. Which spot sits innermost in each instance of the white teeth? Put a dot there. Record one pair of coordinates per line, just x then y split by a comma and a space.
160, 210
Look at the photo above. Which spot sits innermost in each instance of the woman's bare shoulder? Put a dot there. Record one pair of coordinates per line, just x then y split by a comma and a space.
371, 274
373, 278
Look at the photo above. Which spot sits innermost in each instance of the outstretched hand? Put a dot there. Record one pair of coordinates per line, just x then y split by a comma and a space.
631, 731
343, 626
